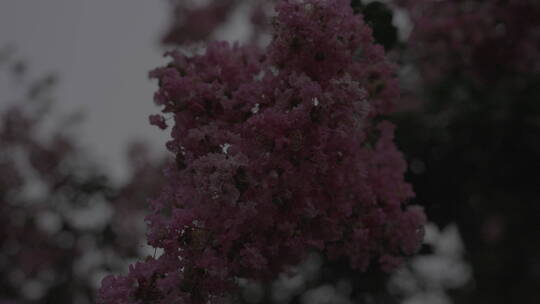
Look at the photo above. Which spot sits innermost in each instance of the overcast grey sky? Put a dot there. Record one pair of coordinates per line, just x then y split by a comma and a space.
102, 51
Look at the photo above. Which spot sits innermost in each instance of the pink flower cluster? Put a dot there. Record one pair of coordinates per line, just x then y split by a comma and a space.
486, 39
278, 152
193, 21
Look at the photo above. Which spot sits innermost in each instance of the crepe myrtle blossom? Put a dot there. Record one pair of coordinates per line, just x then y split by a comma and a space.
483, 40
195, 21
278, 152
